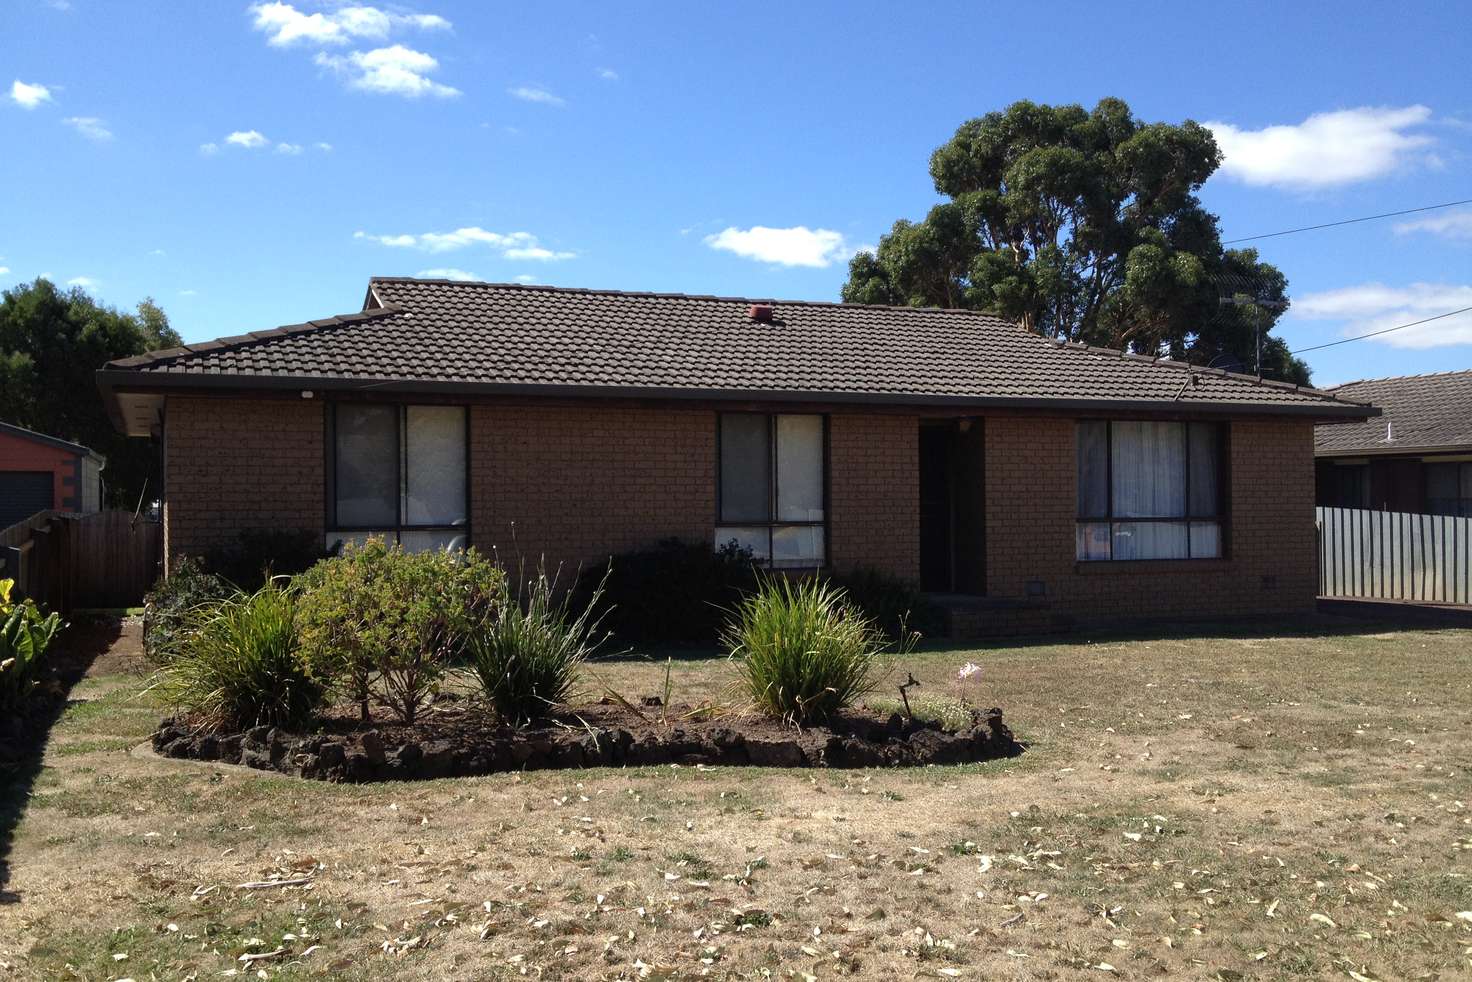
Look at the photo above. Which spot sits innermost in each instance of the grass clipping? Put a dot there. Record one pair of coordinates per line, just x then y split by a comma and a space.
802, 651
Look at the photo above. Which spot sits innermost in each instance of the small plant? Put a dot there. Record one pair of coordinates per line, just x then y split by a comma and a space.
389, 623
24, 637
168, 605
802, 652
529, 657
674, 591
241, 664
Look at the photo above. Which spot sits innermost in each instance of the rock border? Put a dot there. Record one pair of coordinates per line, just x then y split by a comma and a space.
862, 741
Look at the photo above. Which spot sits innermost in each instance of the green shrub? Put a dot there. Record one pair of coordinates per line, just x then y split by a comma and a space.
675, 591
529, 657
242, 665
802, 652
389, 623
895, 605
24, 637
258, 554
167, 606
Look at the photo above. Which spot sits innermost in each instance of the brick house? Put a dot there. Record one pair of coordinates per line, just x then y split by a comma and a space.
1417, 458
1050, 483
40, 472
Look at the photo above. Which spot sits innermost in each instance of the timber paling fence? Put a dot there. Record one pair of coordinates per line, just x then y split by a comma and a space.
1389, 555
64, 561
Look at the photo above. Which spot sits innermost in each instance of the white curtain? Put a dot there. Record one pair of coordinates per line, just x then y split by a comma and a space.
1149, 470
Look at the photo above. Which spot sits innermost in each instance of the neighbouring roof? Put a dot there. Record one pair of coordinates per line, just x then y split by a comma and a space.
443, 336
1421, 412
10, 429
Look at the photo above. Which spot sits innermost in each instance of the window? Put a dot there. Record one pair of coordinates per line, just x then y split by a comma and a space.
1150, 490
398, 472
1348, 485
1449, 489
772, 487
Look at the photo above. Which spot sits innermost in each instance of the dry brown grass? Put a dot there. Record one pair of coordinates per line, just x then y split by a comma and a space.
1261, 806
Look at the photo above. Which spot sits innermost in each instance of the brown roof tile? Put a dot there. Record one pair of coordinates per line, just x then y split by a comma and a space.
1421, 411
439, 334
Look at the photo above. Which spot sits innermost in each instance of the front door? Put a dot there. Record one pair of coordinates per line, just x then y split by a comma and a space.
936, 560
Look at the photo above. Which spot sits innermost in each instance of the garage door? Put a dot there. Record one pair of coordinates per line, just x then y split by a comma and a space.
22, 494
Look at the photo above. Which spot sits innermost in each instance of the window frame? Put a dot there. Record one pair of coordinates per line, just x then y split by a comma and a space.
774, 481
1223, 485
392, 533
1463, 468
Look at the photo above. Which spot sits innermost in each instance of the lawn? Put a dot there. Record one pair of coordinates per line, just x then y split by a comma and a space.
1278, 804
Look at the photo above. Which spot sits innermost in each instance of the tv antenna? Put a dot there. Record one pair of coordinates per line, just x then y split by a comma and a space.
1236, 290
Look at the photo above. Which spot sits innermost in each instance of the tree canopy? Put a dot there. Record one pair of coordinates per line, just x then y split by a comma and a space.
51, 343
1084, 225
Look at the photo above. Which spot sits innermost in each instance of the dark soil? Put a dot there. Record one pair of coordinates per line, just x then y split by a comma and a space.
459, 738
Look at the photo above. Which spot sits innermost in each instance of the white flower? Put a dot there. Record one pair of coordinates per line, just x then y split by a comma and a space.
967, 670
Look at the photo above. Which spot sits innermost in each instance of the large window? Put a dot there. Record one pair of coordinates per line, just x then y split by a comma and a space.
1150, 490
398, 472
772, 481
1449, 489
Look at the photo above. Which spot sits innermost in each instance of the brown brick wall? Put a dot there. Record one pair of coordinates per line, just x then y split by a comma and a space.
874, 492
232, 464
1031, 504
581, 484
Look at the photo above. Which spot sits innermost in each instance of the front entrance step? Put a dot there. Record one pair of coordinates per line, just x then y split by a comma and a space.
968, 616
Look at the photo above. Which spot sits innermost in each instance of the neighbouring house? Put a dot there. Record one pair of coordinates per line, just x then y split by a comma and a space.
1054, 483
1417, 457
40, 472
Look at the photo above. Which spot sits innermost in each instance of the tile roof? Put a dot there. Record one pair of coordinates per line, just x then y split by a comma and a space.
439, 335
1422, 412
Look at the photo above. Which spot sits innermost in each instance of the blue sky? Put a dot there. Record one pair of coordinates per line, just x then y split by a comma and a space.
250, 165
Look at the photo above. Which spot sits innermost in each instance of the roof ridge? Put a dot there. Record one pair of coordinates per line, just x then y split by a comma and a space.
252, 337
1402, 378
660, 295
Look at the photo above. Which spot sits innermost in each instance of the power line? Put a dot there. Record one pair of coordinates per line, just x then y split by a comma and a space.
1347, 221
1372, 334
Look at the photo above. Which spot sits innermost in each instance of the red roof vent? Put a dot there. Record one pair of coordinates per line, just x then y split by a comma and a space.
761, 312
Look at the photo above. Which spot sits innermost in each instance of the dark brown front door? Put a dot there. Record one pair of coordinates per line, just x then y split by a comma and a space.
936, 572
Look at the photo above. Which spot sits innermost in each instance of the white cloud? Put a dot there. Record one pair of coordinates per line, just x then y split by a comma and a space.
285, 25
188, 293
526, 278
209, 149
85, 282
395, 70
29, 95
323, 146
608, 74
447, 273
530, 93
796, 246
1450, 225
1373, 307
249, 139
1327, 149
90, 126
510, 245
4, 270
291, 149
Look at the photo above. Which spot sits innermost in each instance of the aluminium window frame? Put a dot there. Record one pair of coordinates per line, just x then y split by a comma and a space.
401, 476
773, 482
1223, 486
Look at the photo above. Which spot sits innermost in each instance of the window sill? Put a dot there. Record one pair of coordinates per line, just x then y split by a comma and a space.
1105, 567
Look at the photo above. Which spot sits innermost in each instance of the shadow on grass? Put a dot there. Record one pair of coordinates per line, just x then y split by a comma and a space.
76, 648
1311, 626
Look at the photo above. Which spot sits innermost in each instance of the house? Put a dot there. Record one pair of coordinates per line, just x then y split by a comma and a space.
1058, 484
40, 472
1417, 457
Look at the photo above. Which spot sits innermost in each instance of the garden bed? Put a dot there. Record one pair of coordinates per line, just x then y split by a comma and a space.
458, 740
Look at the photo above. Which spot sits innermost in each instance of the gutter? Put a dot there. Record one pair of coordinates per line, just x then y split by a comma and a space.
113, 381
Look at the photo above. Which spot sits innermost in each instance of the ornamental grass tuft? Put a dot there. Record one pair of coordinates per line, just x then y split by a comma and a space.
242, 665
802, 651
